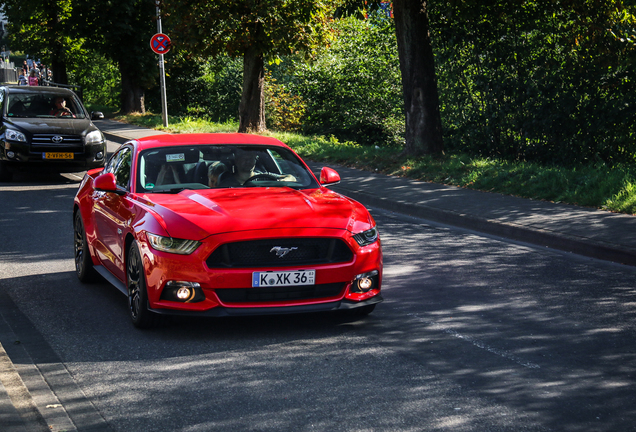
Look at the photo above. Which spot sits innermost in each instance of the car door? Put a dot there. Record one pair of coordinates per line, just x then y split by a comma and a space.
113, 213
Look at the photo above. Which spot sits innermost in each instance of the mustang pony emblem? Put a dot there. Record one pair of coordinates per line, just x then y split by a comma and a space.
282, 251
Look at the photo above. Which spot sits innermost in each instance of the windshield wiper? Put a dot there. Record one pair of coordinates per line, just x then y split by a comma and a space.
171, 190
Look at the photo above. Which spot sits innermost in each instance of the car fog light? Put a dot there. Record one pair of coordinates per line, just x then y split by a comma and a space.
365, 282
10, 154
183, 293
99, 155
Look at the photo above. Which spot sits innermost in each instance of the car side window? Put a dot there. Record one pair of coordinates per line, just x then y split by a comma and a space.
122, 168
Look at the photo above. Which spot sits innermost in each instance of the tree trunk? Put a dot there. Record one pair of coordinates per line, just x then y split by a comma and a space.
58, 50
58, 69
252, 106
419, 81
132, 94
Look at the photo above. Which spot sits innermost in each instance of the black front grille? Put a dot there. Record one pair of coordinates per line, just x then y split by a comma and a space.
59, 142
271, 253
284, 293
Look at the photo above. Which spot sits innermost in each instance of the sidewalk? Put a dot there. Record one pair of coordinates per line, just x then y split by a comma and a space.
584, 231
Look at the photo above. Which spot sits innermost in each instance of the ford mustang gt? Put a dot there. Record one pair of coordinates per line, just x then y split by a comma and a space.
223, 225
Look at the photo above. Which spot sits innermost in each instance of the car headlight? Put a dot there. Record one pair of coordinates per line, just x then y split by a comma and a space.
172, 245
14, 135
94, 137
367, 237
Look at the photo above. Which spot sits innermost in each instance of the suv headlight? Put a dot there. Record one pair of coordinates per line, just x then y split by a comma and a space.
94, 137
14, 135
172, 245
367, 237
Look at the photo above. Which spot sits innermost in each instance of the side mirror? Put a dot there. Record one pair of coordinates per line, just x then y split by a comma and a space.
97, 115
329, 176
106, 183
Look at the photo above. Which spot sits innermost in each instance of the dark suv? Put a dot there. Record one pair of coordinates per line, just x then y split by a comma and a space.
47, 128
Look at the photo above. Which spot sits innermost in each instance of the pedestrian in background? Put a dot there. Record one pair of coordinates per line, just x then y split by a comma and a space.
22, 80
33, 78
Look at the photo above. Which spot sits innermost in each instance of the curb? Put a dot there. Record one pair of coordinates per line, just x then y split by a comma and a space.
43, 394
17, 408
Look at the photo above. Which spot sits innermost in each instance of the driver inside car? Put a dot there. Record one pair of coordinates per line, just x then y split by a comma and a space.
60, 109
244, 163
244, 169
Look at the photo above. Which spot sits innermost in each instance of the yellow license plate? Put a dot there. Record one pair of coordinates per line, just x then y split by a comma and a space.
58, 155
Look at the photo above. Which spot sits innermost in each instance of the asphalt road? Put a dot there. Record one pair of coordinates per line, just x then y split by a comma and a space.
475, 334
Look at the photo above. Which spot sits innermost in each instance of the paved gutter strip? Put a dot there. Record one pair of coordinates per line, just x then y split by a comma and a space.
58, 400
17, 408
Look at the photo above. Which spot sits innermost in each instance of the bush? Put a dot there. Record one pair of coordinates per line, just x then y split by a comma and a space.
210, 89
353, 87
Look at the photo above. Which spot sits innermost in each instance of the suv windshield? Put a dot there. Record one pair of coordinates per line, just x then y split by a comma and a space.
43, 104
172, 169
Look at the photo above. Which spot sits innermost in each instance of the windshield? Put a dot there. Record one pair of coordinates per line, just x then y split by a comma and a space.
172, 169
43, 104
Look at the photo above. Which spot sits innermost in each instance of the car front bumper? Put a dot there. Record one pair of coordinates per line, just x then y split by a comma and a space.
339, 280
20, 157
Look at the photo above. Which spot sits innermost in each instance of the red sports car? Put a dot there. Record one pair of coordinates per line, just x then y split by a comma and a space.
224, 224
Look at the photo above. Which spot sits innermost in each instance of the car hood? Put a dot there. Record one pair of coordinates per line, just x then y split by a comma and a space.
195, 214
67, 126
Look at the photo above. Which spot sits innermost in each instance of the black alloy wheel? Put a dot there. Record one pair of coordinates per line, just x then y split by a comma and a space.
137, 294
83, 262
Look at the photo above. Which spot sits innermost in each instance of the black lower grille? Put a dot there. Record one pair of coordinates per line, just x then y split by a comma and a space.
273, 253
285, 293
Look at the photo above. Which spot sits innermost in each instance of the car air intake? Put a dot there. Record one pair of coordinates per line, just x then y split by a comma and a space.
273, 253
283, 293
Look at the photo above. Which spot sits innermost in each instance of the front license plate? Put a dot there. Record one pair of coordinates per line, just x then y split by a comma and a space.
285, 278
58, 155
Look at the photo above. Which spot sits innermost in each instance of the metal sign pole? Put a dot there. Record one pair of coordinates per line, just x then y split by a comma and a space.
162, 75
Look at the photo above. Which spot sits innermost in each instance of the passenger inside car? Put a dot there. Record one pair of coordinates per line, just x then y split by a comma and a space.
215, 171
169, 173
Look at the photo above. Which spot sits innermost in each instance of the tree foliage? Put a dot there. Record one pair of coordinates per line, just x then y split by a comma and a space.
75, 34
42, 28
352, 89
120, 30
538, 80
254, 30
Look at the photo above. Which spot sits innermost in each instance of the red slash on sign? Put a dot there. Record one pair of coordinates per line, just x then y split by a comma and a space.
160, 43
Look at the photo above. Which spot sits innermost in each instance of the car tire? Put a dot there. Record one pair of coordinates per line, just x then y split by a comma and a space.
83, 262
5, 174
140, 315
